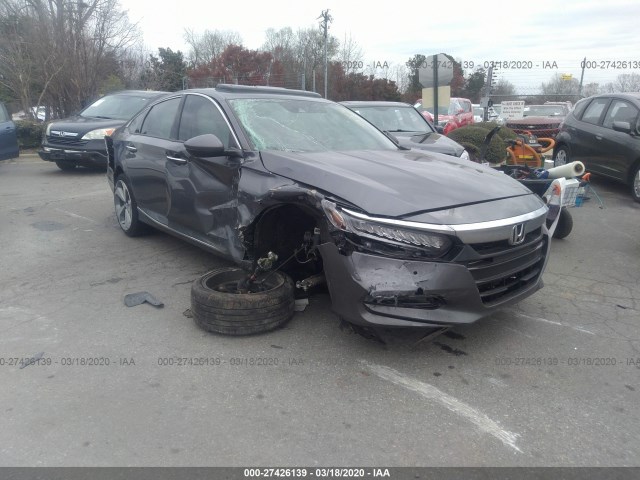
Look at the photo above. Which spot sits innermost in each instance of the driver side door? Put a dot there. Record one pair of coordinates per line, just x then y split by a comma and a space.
203, 191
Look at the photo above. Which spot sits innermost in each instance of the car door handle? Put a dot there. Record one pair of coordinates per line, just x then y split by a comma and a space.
179, 161
598, 137
131, 148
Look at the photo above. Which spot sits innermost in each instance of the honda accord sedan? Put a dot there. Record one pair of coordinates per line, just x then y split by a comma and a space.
402, 237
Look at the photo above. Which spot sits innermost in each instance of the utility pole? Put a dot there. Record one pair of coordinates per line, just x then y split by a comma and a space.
324, 25
582, 77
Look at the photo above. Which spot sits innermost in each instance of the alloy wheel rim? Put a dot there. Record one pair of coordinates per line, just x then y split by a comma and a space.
122, 200
636, 184
561, 158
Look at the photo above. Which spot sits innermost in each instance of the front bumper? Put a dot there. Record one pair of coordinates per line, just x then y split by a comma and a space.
81, 157
372, 290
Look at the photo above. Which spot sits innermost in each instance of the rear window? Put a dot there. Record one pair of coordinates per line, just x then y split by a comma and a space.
579, 108
119, 107
594, 111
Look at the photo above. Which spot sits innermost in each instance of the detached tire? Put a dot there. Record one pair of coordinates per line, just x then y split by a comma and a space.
565, 224
241, 313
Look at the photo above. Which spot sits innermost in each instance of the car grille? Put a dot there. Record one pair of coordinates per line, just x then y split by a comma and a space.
65, 142
546, 130
503, 270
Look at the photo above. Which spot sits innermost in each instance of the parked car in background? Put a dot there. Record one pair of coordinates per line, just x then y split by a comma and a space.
456, 114
540, 120
79, 140
603, 132
8, 140
407, 126
404, 238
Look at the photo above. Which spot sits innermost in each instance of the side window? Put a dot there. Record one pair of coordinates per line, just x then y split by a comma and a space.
200, 116
4, 115
160, 118
467, 106
594, 111
136, 123
620, 111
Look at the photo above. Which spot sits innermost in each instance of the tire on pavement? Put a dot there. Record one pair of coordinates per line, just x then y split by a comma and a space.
231, 313
126, 208
565, 224
635, 183
66, 166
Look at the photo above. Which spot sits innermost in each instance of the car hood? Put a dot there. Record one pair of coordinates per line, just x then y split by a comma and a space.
395, 183
82, 125
432, 142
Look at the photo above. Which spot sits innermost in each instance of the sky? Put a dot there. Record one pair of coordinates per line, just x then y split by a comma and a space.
558, 35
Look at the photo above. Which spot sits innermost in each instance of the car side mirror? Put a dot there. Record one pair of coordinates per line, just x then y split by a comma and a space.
624, 127
207, 145
439, 129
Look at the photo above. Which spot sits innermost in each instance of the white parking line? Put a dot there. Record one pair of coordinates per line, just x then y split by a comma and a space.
458, 407
544, 320
75, 215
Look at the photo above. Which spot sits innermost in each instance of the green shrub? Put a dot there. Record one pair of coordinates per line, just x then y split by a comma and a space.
472, 138
29, 133
504, 132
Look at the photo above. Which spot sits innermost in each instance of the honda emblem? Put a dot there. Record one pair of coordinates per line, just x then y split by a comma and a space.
517, 234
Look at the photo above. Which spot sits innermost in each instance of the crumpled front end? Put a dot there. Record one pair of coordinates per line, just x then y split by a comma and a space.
378, 280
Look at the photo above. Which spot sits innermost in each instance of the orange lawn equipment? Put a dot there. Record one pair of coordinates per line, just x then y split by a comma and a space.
527, 150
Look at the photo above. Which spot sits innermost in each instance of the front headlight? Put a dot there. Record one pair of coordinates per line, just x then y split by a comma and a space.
98, 134
433, 244
47, 132
465, 155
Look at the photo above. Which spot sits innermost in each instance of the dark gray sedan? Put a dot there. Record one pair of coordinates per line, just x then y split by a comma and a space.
403, 238
407, 126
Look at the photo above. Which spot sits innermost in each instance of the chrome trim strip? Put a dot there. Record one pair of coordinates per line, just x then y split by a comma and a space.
452, 229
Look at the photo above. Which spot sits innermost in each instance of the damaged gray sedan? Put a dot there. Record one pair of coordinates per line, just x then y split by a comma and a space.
284, 181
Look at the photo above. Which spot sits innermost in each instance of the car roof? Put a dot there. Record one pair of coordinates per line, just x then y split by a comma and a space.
374, 103
138, 92
627, 95
235, 91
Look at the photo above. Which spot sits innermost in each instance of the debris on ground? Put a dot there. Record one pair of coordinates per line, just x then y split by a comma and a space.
133, 299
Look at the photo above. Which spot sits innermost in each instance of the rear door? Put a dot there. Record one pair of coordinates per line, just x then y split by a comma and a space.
147, 148
8, 140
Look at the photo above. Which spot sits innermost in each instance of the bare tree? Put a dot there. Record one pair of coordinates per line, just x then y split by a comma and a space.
627, 82
208, 46
350, 55
60, 51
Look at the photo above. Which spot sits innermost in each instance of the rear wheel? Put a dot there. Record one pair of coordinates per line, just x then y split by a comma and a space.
127, 208
561, 156
635, 184
66, 166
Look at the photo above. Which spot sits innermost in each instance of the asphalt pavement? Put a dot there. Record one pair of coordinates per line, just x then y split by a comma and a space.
553, 381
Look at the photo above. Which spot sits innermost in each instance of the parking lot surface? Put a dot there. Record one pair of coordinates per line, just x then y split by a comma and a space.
552, 381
